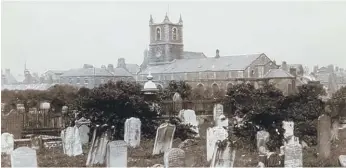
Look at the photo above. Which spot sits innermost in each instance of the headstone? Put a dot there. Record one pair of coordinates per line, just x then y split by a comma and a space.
174, 157
52, 144
82, 121
84, 134
71, 142
293, 154
288, 126
324, 135
217, 111
23, 157
90, 158
213, 135
117, 154
164, 138
223, 157
189, 117
262, 138
7, 143
36, 142
177, 102
273, 160
101, 149
335, 131
132, 134
222, 121
342, 160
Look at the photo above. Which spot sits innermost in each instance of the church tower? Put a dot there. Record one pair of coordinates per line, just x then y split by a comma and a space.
166, 41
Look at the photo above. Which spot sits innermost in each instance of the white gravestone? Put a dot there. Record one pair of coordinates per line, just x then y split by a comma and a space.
288, 126
213, 135
100, 151
174, 157
116, 154
342, 160
217, 111
189, 117
24, 157
324, 136
84, 134
164, 138
262, 138
7, 143
222, 121
71, 142
223, 157
293, 153
132, 134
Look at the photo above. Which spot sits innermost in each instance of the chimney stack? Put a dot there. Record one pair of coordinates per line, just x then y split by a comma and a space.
284, 66
121, 63
330, 68
315, 69
217, 54
110, 67
293, 72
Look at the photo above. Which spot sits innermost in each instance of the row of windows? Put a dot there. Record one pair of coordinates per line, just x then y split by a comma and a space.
174, 33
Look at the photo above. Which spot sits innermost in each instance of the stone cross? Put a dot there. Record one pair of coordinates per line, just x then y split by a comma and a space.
174, 157
132, 134
293, 153
116, 154
324, 136
217, 111
164, 138
24, 157
213, 135
7, 143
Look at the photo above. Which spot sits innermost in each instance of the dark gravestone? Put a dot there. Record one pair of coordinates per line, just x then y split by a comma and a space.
324, 135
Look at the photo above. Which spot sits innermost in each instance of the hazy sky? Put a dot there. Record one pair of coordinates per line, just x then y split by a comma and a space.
64, 35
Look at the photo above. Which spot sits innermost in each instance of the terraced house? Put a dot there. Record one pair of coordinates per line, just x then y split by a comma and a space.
166, 60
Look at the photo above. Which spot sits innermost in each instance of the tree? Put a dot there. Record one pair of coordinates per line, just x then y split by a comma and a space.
113, 103
259, 109
338, 101
183, 88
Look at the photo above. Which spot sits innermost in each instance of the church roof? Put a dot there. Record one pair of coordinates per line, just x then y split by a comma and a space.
278, 73
224, 63
132, 68
193, 55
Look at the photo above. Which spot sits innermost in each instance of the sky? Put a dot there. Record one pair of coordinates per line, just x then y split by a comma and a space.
61, 35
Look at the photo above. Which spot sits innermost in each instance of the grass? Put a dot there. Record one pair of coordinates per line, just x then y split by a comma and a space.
195, 155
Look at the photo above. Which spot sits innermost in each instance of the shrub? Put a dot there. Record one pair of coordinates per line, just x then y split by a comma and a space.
182, 131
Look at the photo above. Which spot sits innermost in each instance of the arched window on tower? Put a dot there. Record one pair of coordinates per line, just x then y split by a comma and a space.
175, 33
158, 33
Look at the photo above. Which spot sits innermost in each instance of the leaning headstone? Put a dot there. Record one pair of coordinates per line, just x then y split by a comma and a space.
214, 135
189, 117
91, 156
293, 154
116, 154
342, 160
324, 135
71, 142
164, 138
132, 134
84, 134
7, 143
36, 142
101, 149
174, 157
262, 137
24, 157
217, 111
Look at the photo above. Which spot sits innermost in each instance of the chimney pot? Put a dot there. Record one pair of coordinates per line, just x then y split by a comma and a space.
217, 53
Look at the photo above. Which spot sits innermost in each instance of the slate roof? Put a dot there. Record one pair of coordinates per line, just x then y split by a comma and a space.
278, 73
193, 55
27, 87
132, 68
86, 72
121, 72
224, 63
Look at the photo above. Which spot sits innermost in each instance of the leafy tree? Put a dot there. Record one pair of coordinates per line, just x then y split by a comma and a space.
338, 101
183, 88
113, 103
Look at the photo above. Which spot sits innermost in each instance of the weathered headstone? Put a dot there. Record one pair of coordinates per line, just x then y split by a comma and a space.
262, 138
189, 117
36, 142
214, 135
24, 157
288, 126
90, 158
222, 121
342, 160
324, 136
174, 157
177, 102
217, 111
164, 138
71, 142
335, 131
116, 154
84, 134
293, 153
101, 149
273, 160
223, 157
132, 134
7, 143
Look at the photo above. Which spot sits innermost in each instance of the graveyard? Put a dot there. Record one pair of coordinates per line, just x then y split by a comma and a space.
123, 125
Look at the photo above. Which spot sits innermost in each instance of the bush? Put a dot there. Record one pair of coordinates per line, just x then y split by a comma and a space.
182, 131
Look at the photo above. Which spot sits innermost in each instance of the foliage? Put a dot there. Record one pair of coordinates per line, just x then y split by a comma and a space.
259, 109
182, 131
113, 103
183, 88
338, 101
